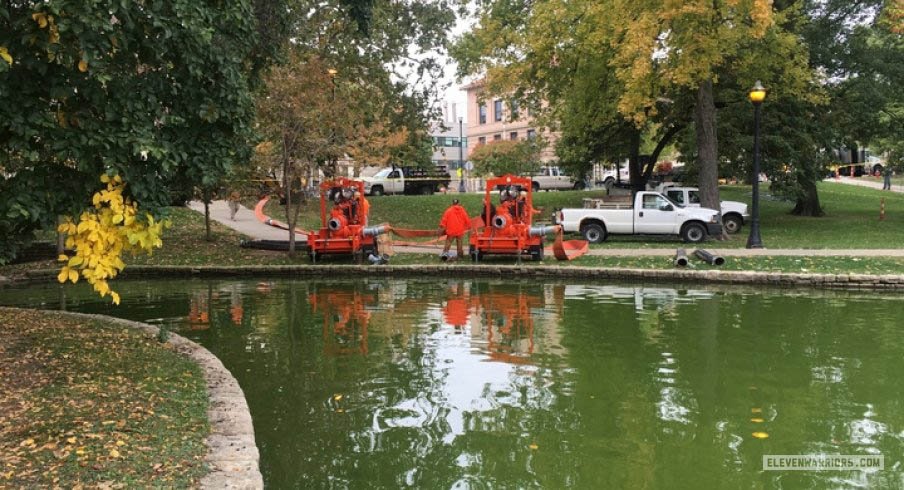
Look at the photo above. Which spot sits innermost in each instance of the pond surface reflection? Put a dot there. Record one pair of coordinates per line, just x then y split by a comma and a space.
460, 384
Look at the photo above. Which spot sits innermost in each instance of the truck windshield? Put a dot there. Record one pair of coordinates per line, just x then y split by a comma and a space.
382, 173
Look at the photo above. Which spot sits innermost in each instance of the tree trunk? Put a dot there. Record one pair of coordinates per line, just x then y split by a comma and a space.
808, 200
707, 146
291, 218
61, 237
287, 180
635, 169
855, 154
207, 218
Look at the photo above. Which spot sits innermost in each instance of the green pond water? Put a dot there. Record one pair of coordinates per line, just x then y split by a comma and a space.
437, 383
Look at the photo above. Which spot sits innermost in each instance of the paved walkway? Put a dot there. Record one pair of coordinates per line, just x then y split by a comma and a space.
865, 182
246, 223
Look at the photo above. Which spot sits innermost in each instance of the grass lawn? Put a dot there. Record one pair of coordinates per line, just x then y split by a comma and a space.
184, 244
851, 220
84, 403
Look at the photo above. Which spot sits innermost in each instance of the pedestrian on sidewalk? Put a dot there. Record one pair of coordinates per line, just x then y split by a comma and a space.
454, 224
886, 185
233, 200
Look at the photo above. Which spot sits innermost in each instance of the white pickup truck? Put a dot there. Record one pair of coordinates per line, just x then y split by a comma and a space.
734, 213
650, 214
551, 177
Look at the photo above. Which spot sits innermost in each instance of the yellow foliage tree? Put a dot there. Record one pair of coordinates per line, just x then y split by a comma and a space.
102, 234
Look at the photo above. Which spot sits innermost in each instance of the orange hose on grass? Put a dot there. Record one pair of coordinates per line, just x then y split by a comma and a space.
568, 250
263, 218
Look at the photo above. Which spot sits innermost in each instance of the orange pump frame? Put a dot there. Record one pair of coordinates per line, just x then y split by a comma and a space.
514, 238
347, 240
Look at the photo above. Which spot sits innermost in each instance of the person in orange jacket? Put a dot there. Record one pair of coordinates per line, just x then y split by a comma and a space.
454, 224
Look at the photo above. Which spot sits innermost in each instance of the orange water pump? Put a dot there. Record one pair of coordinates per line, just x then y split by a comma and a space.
343, 218
508, 228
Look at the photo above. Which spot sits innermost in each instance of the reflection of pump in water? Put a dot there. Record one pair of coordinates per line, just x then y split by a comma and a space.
509, 324
345, 319
199, 312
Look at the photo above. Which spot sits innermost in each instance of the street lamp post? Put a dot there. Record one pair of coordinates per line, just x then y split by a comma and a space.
461, 156
757, 95
332, 72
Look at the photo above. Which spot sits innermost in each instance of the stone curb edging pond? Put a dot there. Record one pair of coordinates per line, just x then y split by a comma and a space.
232, 455
782, 279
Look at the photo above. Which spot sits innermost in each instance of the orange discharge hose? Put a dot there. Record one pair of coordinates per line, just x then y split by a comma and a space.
568, 250
263, 218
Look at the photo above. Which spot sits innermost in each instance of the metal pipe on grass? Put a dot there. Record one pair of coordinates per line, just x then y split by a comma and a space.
709, 258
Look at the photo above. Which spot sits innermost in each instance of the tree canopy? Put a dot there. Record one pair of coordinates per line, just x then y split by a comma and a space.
147, 91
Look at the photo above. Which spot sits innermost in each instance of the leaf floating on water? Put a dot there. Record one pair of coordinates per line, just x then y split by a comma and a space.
760, 435
756, 410
534, 446
337, 397
756, 420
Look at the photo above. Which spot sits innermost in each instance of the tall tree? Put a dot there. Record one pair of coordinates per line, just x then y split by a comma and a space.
692, 45
145, 91
304, 123
554, 57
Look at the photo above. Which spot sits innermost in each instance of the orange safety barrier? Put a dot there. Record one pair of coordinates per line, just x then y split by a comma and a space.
263, 218
568, 250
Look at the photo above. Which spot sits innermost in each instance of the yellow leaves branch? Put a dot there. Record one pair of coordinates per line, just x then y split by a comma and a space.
102, 234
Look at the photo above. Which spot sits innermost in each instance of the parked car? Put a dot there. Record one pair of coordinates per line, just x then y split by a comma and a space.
734, 213
405, 180
651, 213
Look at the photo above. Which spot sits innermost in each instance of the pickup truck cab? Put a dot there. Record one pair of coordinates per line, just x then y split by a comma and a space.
405, 180
734, 213
611, 176
554, 178
651, 213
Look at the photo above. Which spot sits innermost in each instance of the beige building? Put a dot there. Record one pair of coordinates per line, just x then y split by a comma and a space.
495, 118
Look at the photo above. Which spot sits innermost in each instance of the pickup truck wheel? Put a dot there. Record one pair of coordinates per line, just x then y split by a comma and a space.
376, 191
693, 233
426, 190
732, 223
579, 186
594, 232
535, 186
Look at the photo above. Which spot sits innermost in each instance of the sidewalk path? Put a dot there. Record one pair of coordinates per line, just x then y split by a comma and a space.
865, 182
247, 224
245, 221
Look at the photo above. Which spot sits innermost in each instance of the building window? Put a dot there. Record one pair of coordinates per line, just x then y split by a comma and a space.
497, 110
513, 107
497, 137
483, 113
531, 134
481, 141
513, 136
